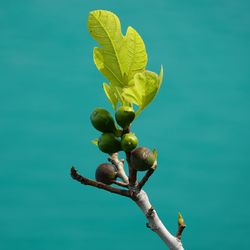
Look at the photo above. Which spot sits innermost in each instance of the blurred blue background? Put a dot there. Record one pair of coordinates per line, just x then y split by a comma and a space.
199, 123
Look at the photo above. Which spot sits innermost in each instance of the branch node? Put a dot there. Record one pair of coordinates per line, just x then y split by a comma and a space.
120, 183
151, 228
150, 212
119, 165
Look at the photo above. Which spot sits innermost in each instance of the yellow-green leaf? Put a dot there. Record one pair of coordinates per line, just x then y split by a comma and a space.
135, 93
105, 28
119, 57
152, 84
145, 87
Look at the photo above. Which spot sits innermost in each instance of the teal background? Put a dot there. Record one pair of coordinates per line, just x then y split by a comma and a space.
199, 123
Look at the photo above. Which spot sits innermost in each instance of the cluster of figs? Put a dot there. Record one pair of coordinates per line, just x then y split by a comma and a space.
113, 139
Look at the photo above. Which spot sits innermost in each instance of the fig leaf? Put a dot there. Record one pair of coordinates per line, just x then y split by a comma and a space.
144, 89
120, 57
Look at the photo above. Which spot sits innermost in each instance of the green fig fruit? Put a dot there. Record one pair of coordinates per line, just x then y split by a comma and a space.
108, 143
129, 142
124, 116
142, 159
105, 173
102, 120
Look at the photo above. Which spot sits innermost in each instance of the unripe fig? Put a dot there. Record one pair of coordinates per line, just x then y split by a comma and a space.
124, 116
129, 142
105, 173
102, 120
142, 159
108, 143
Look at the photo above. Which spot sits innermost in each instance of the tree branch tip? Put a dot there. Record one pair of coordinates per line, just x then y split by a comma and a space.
181, 220
181, 226
73, 172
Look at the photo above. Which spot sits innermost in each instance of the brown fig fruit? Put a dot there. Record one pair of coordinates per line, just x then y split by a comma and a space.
105, 173
142, 159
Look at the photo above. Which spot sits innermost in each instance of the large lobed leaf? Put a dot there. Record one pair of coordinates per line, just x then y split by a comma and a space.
119, 57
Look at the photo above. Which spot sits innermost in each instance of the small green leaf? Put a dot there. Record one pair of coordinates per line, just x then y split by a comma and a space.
95, 141
145, 87
151, 86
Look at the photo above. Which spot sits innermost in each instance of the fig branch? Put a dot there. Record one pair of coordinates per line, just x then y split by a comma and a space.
140, 197
119, 164
122, 60
147, 176
96, 184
